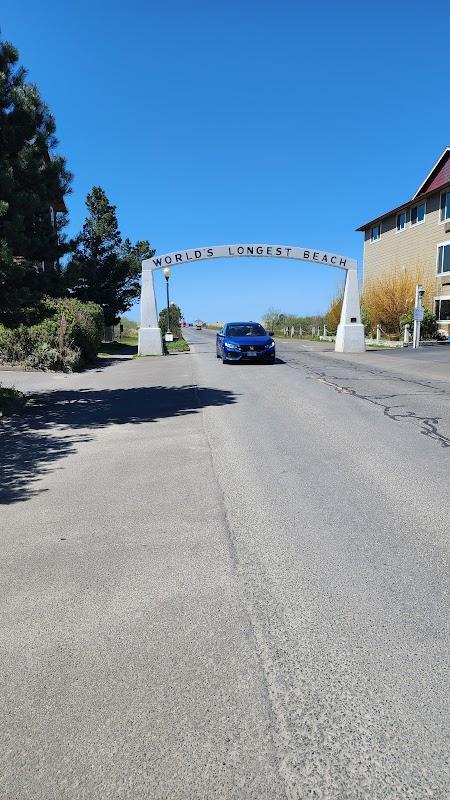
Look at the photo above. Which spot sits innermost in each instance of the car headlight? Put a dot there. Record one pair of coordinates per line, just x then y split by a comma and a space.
232, 346
271, 344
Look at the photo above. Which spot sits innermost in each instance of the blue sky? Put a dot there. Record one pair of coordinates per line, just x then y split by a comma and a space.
221, 121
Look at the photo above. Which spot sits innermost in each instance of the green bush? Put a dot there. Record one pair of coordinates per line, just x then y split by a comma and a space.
175, 316
429, 328
39, 346
10, 400
84, 324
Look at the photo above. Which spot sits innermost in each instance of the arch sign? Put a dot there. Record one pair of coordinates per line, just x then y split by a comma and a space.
350, 332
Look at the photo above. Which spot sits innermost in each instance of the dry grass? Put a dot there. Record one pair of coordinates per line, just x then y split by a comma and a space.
392, 294
333, 313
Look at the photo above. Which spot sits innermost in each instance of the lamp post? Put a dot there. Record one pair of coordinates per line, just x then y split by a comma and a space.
167, 276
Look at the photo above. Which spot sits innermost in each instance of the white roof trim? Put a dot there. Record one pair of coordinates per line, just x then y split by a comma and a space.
447, 149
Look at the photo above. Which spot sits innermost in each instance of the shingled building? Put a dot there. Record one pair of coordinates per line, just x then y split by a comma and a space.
416, 235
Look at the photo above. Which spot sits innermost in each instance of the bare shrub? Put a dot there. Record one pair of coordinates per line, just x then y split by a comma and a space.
391, 295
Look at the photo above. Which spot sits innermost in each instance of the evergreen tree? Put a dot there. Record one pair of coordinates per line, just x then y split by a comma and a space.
175, 317
33, 182
104, 268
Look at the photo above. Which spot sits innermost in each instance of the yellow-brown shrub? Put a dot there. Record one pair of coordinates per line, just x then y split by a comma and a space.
389, 296
333, 313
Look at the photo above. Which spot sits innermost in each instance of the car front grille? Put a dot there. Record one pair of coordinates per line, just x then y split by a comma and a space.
258, 348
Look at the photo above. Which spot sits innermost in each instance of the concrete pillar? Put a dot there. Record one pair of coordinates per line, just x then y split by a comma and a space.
406, 335
150, 340
350, 333
378, 333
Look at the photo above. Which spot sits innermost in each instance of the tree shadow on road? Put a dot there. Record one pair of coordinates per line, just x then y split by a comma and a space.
55, 424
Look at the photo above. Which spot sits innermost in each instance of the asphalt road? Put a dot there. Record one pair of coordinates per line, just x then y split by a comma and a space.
228, 581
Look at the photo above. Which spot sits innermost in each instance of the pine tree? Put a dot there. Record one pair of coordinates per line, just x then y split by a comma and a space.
33, 181
104, 268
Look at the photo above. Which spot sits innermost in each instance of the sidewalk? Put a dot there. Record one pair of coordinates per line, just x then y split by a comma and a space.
126, 659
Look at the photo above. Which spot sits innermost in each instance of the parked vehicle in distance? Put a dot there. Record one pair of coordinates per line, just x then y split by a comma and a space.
198, 325
244, 341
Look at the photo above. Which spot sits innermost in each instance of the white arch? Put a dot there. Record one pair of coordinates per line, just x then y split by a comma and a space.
350, 333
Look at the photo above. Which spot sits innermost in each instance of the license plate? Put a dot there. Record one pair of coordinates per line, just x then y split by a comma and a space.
251, 354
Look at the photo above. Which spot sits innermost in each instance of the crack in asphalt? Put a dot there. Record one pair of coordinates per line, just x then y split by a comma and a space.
377, 373
247, 584
428, 426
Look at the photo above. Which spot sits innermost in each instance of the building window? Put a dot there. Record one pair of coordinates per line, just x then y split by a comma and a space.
442, 309
443, 259
445, 206
375, 232
418, 214
401, 221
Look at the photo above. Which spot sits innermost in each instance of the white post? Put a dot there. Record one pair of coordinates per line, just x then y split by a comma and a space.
417, 305
325, 332
292, 331
378, 333
300, 331
416, 301
150, 340
406, 335
350, 333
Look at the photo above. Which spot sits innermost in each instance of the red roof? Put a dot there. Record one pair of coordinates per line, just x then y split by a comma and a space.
438, 178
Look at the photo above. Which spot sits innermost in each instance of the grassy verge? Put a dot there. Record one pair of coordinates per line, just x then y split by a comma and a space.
132, 341
177, 346
126, 346
10, 401
129, 346
384, 347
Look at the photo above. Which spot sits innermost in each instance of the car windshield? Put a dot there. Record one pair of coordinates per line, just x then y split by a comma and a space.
247, 329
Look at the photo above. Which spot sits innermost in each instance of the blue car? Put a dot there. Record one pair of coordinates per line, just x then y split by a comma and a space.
242, 341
